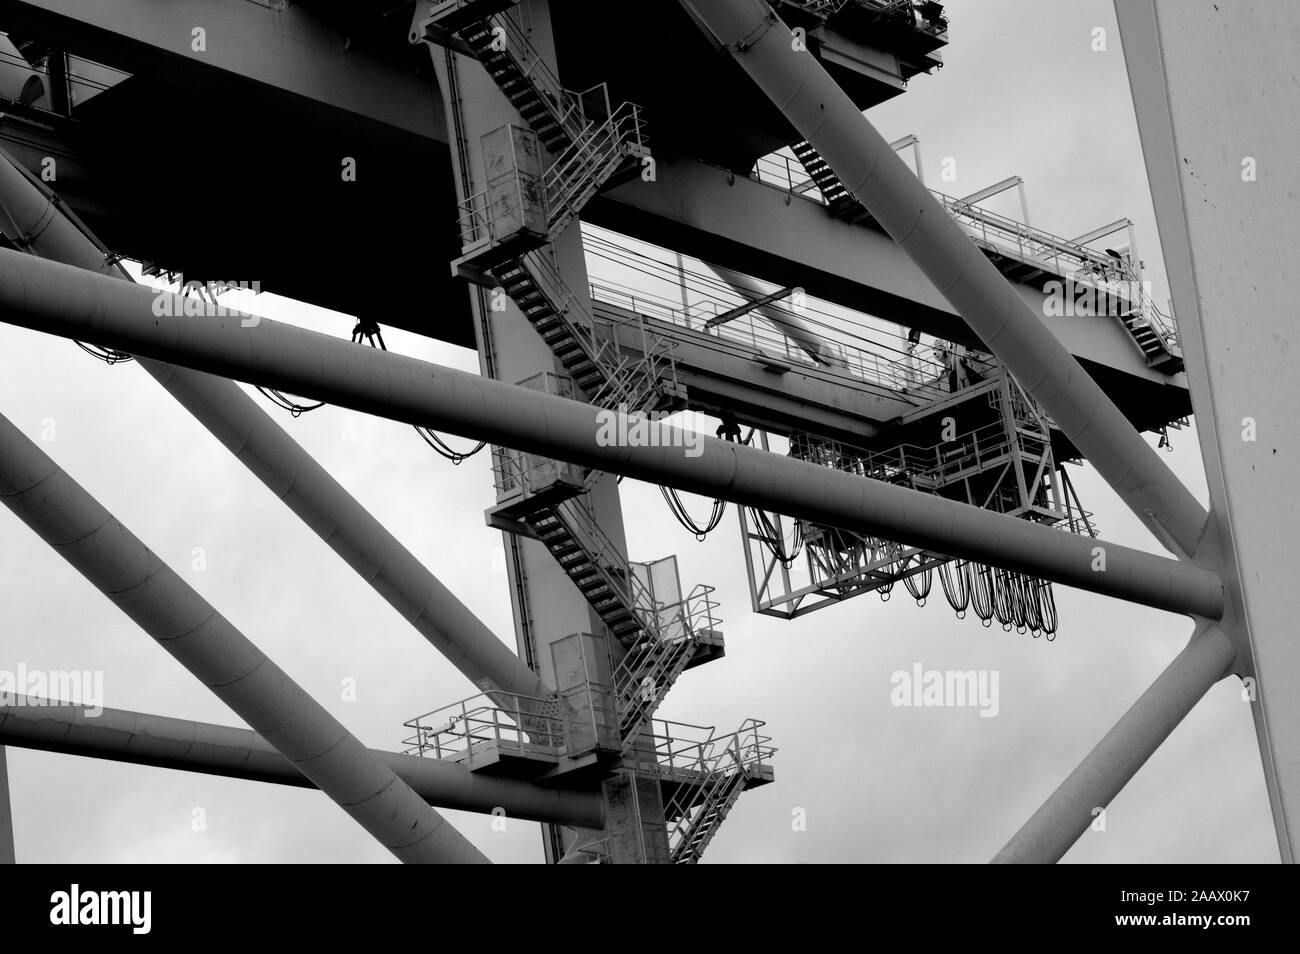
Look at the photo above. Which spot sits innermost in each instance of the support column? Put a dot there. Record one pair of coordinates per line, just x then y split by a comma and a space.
547, 605
1215, 90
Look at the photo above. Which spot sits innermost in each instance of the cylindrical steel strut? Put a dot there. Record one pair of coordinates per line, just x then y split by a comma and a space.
80, 530
74, 303
30, 212
144, 739
1070, 810
824, 115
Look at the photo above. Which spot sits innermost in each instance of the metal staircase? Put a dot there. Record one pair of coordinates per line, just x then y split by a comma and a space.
604, 152
680, 636
691, 834
578, 127
521, 73
839, 201
1153, 332
601, 154
663, 637
504, 230
594, 145
589, 353
593, 563
662, 640
722, 768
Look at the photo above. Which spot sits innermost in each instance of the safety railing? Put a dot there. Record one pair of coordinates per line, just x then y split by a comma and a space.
581, 167
497, 213
932, 466
605, 555
568, 107
1085, 266
520, 474
670, 629
692, 616
901, 10
548, 204
917, 375
1159, 322
786, 172
502, 720
684, 748
628, 382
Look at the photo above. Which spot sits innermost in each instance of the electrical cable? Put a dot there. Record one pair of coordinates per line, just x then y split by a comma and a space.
684, 518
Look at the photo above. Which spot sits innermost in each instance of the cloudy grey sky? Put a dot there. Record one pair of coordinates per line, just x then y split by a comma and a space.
1022, 93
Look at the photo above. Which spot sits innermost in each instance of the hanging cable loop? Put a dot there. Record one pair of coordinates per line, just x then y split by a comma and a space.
684, 518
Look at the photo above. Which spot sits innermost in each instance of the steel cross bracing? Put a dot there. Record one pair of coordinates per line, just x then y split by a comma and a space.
760, 43
70, 302
593, 152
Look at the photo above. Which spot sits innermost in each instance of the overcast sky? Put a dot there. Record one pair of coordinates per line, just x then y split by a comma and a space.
1022, 93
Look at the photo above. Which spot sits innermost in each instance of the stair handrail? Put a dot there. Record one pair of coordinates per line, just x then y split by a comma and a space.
697, 617
712, 759
675, 750
567, 106
1162, 324
606, 557
602, 350
860, 363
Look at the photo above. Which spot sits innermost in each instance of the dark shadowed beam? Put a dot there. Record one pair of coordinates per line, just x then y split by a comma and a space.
291, 54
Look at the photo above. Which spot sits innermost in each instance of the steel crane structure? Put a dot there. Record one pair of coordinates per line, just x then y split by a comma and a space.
911, 400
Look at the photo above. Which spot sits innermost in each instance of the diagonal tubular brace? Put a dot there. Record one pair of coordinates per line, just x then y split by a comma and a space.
825, 116
30, 209
142, 738
349, 529
1104, 772
121, 567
